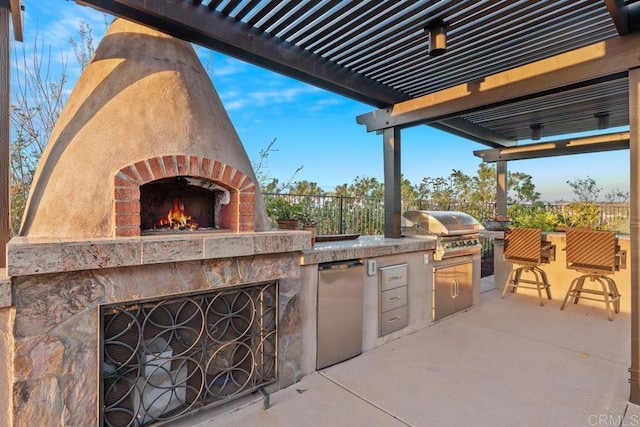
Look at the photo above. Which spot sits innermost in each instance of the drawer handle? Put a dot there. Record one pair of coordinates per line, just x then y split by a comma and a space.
393, 319
393, 299
394, 278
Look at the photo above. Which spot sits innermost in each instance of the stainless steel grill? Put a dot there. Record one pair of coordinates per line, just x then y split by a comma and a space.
456, 233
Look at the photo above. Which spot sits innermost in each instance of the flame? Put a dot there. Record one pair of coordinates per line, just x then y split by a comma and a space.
177, 218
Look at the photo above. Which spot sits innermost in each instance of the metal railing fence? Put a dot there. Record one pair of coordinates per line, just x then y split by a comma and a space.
365, 215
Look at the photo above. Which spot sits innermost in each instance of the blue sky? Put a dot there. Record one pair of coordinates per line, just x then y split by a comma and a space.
317, 129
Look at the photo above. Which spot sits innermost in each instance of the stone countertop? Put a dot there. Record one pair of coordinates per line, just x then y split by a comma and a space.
365, 247
27, 256
500, 234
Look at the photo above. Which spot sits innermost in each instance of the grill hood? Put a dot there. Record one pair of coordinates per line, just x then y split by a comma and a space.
438, 223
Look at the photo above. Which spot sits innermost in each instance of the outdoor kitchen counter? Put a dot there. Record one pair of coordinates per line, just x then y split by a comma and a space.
365, 247
28, 256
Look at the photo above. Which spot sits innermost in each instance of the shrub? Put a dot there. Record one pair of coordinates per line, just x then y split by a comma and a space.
280, 208
581, 214
535, 216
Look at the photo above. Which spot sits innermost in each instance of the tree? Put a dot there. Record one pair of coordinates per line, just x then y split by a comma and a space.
439, 191
455, 192
483, 198
37, 101
616, 196
362, 187
521, 189
304, 188
83, 48
408, 194
462, 186
266, 182
585, 190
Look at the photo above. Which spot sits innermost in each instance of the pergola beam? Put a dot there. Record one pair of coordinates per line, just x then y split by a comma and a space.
625, 16
618, 12
199, 24
590, 144
10, 12
392, 182
472, 131
16, 18
634, 231
579, 67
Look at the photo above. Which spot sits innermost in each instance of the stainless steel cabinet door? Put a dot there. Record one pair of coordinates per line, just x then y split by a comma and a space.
339, 314
464, 277
452, 289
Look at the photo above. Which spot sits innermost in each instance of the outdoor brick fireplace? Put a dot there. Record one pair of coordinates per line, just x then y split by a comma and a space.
223, 196
143, 114
146, 200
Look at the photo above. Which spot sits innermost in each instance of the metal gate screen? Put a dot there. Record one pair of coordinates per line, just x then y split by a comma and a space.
163, 358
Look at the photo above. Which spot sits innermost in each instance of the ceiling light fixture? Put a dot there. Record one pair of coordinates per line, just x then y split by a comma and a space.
437, 37
602, 120
536, 131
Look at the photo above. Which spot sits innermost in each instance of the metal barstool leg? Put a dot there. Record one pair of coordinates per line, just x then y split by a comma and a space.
605, 292
539, 279
537, 282
547, 286
512, 280
578, 290
610, 293
516, 281
508, 284
569, 292
613, 293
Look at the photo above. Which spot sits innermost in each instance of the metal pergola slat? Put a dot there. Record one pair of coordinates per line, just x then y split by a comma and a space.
472, 54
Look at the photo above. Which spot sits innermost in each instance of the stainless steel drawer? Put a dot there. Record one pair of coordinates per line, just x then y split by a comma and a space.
393, 277
393, 298
393, 320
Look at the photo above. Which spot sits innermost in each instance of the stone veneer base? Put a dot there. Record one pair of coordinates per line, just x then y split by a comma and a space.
57, 288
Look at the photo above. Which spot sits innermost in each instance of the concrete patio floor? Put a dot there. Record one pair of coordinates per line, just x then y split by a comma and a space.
508, 362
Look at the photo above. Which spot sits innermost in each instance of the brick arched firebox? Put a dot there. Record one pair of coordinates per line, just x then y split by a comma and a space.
127, 182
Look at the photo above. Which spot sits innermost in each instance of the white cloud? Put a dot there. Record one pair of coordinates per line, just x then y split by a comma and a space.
48, 30
223, 66
59, 23
234, 105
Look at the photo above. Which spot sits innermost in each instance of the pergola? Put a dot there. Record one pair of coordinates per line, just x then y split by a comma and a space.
512, 70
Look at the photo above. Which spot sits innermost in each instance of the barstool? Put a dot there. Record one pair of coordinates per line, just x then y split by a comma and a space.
596, 255
524, 247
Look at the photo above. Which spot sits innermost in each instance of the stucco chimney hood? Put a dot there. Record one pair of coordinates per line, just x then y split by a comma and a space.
144, 112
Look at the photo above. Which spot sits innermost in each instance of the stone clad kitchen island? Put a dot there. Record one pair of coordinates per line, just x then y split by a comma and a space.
58, 288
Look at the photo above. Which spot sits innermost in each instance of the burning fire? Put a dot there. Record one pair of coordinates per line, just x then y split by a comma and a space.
177, 219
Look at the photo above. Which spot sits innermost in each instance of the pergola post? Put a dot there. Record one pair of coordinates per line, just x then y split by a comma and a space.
5, 123
634, 186
501, 188
392, 182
